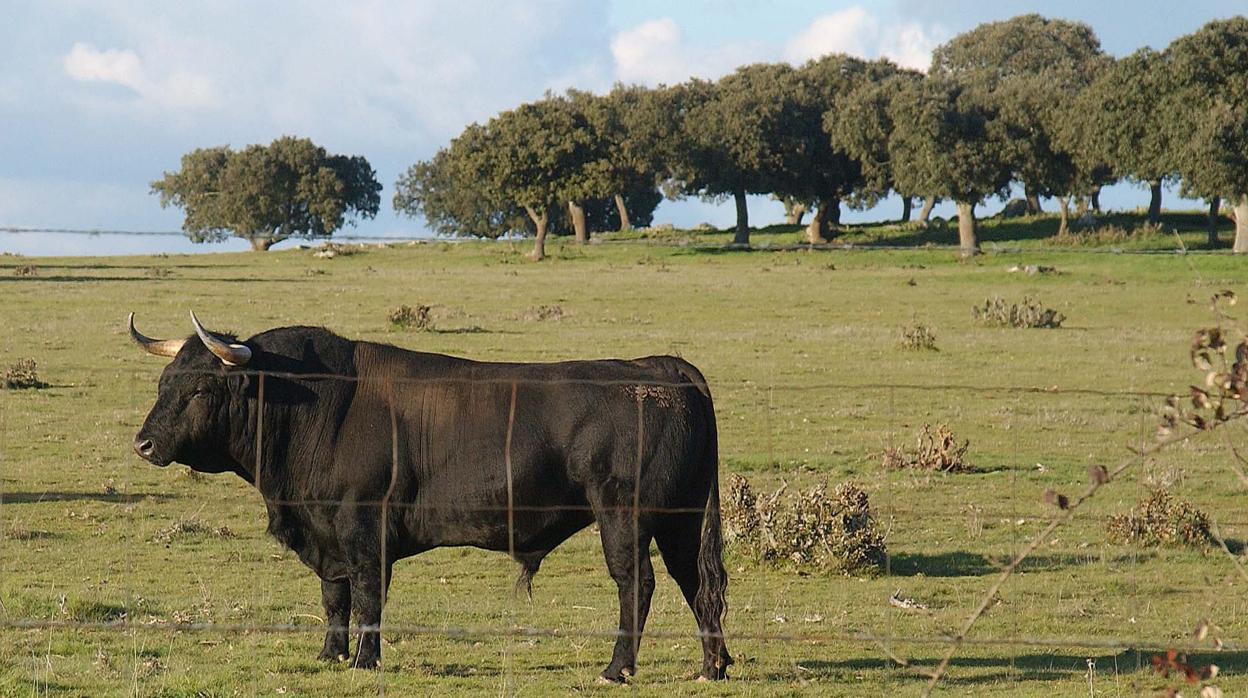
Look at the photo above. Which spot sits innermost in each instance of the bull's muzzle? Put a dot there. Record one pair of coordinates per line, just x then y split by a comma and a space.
146, 450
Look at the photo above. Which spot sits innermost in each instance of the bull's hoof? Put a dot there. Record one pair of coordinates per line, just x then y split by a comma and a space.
617, 675
332, 656
714, 673
362, 662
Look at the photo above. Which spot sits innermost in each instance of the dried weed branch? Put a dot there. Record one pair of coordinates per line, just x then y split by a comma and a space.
828, 531
1224, 400
935, 450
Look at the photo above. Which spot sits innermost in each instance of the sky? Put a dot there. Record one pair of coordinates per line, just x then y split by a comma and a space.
99, 99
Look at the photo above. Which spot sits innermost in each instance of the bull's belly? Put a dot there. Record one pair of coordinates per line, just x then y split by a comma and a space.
525, 531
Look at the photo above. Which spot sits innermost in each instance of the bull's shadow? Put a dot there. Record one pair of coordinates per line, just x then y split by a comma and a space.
956, 563
116, 498
961, 563
63, 278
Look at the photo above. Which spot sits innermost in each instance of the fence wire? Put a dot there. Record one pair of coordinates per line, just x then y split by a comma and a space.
974, 609
888, 640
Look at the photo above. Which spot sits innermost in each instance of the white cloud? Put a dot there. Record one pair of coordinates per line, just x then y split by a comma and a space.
857, 32
85, 62
655, 52
911, 46
180, 89
853, 31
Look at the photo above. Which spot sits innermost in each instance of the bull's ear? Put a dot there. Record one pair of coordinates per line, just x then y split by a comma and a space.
240, 382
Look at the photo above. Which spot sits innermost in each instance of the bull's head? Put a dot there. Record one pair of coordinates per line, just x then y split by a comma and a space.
200, 392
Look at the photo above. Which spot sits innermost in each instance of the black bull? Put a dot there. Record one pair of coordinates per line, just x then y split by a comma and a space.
502, 456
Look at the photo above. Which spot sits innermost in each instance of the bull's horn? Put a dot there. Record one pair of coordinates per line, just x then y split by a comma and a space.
159, 347
231, 354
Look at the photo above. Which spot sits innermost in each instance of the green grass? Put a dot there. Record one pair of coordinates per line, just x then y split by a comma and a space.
802, 349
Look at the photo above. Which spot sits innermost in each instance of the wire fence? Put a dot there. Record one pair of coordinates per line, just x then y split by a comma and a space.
1054, 510
665, 239
495, 502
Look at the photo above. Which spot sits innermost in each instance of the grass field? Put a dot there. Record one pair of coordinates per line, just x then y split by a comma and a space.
802, 352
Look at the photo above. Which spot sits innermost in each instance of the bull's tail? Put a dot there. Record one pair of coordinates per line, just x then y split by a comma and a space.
710, 604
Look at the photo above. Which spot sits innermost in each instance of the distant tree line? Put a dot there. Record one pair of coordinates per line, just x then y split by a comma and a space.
1029, 101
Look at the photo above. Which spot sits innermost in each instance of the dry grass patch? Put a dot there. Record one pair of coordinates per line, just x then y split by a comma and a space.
918, 337
1026, 314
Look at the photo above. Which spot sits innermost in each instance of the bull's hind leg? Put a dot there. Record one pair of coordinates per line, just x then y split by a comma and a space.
679, 541
336, 598
627, 549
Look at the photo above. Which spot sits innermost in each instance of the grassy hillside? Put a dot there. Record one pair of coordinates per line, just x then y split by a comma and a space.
802, 351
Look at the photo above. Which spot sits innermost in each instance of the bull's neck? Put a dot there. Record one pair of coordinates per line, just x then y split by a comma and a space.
255, 450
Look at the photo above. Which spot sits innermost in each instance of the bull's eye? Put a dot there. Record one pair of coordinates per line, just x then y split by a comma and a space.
199, 392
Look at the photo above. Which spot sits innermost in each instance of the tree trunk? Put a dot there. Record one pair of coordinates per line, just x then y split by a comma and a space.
261, 243
926, 211
1096, 199
818, 225
1033, 201
906, 204
1063, 203
1214, 205
577, 213
626, 224
742, 236
1081, 207
1154, 201
966, 229
539, 241
1241, 225
833, 204
794, 211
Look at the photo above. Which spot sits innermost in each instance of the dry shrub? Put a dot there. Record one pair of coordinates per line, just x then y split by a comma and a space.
22, 375
26, 270
812, 530
935, 450
544, 312
1160, 519
407, 318
918, 336
1106, 235
1027, 314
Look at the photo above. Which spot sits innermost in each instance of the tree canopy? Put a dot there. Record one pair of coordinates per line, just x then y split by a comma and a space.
1032, 68
1029, 100
291, 188
815, 167
1209, 108
731, 136
947, 142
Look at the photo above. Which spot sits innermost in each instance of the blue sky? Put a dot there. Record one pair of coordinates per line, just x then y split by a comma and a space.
98, 99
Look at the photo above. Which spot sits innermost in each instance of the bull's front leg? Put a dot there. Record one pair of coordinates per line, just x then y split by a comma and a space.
366, 602
369, 581
336, 598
